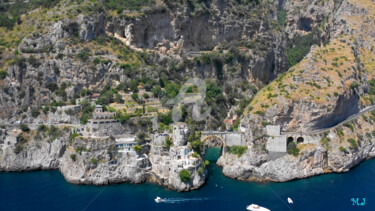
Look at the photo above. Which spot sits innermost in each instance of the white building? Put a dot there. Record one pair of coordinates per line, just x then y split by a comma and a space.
180, 133
125, 144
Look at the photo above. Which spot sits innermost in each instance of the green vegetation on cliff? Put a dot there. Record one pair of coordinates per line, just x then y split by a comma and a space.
185, 175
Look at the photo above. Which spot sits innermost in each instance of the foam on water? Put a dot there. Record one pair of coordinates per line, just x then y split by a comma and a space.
181, 200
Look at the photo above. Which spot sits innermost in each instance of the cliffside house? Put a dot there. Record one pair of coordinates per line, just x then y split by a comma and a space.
103, 123
230, 120
125, 144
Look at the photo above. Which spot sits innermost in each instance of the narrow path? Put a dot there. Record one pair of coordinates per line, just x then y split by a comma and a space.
350, 118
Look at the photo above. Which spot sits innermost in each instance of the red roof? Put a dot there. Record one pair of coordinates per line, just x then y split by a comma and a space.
95, 95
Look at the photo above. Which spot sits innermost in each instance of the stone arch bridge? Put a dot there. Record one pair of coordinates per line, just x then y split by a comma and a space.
228, 138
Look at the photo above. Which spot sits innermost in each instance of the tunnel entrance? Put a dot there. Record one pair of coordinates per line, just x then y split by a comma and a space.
290, 143
300, 140
289, 140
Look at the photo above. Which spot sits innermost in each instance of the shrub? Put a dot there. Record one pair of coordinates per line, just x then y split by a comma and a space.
353, 144
137, 148
325, 142
42, 128
340, 132
73, 136
20, 139
371, 87
94, 161
83, 56
3, 74
265, 123
354, 85
197, 146
35, 112
87, 110
185, 175
237, 150
200, 170
69, 112
73, 157
261, 113
292, 149
300, 47
348, 125
168, 143
54, 132
24, 128
18, 148
282, 17
342, 149
134, 96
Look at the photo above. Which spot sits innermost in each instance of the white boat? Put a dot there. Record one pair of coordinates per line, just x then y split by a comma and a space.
255, 207
158, 199
290, 201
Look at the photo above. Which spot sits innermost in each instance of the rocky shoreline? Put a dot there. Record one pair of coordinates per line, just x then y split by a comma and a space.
339, 149
90, 161
337, 155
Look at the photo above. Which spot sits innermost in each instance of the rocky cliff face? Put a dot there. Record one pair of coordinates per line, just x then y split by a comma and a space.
187, 30
98, 162
339, 150
85, 160
328, 85
35, 155
68, 51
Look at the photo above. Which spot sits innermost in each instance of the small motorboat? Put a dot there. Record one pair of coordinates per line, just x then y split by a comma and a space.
158, 199
255, 207
290, 201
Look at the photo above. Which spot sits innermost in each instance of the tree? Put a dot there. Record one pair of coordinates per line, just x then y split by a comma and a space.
185, 175
24, 128
42, 128
135, 96
141, 136
197, 146
3, 74
168, 143
35, 112
73, 157
137, 148
94, 161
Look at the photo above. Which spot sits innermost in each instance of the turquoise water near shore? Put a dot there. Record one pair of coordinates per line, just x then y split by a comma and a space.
47, 190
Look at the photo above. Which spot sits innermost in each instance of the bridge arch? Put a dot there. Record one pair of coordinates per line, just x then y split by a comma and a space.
300, 140
209, 141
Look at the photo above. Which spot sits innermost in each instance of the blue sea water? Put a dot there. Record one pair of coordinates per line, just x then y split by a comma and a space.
47, 190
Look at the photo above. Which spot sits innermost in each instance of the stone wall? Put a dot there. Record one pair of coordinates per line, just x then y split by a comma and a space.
276, 143
104, 129
234, 139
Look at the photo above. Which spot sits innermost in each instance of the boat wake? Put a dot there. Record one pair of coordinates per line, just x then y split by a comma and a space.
181, 200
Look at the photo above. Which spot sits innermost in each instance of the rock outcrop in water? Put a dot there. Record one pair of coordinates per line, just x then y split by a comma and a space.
97, 161
340, 149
